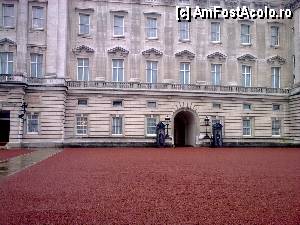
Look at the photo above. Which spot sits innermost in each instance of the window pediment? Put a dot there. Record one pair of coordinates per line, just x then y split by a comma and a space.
152, 51
84, 10
185, 53
118, 50
6, 41
276, 59
82, 49
152, 14
217, 56
247, 58
36, 48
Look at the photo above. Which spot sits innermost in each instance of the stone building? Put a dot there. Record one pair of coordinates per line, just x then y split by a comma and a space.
105, 72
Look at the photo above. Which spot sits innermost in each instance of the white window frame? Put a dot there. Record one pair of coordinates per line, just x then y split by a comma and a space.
147, 125
245, 134
7, 62
84, 68
4, 5
278, 132
118, 68
117, 129
248, 35
82, 123
150, 68
37, 18
122, 27
36, 64
245, 76
29, 119
276, 44
186, 71
149, 29
214, 74
218, 32
274, 75
186, 29
82, 24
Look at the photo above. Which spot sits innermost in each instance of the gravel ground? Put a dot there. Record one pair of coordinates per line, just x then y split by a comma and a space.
6, 154
156, 186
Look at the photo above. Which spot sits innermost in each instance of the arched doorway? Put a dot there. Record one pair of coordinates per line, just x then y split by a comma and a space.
185, 128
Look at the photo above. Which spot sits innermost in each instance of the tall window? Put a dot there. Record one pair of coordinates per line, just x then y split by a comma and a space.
151, 27
8, 15
247, 129
276, 127
83, 69
245, 34
184, 30
185, 71
275, 77
37, 17
6, 62
81, 124
36, 65
151, 71
117, 125
118, 70
151, 125
32, 123
84, 24
246, 76
274, 36
216, 74
118, 25
215, 32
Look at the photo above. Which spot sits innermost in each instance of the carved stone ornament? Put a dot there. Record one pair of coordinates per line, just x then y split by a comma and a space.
118, 50
276, 59
82, 49
152, 51
247, 58
185, 53
217, 56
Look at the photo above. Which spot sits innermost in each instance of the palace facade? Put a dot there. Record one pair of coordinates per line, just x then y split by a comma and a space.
105, 72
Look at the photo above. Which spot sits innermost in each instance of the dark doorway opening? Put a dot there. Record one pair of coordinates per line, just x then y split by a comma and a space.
4, 127
184, 129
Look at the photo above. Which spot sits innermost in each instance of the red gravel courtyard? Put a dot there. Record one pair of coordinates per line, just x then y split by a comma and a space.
156, 186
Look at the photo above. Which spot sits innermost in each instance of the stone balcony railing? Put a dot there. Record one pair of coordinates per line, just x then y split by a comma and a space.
31, 81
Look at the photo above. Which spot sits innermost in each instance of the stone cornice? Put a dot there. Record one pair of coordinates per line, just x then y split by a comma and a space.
83, 48
217, 55
118, 49
247, 57
153, 51
8, 42
277, 59
186, 53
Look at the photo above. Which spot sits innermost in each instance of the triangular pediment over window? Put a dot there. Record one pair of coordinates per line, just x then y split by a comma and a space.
83, 48
247, 57
217, 56
185, 53
276, 59
7, 41
118, 49
152, 51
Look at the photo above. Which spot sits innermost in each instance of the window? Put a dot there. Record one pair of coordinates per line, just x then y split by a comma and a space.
118, 25
84, 24
117, 103
216, 105
215, 32
82, 102
276, 107
247, 127
184, 1
184, 73
274, 36
245, 34
151, 104
81, 124
37, 17
184, 30
36, 65
151, 27
83, 69
6, 62
118, 70
216, 74
32, 123
276, 127
8, 15
247, 106
151, 71
275, 77
246, 76
117, 125
151, 125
